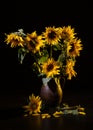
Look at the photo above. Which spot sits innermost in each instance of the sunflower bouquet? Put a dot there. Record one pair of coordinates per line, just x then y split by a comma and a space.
54, 50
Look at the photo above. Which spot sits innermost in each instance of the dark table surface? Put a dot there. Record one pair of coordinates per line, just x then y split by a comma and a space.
12, 114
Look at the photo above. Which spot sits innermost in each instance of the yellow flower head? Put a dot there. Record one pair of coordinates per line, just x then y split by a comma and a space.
50, 68
15, 40
75, 47
34, 42
34, 105
54, 51
52, 35
70, 69
67, 33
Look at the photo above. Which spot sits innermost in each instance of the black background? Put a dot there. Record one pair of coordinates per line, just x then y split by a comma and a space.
17, 81
36, 15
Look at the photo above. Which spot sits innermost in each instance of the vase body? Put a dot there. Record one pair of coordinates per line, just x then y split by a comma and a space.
51, 92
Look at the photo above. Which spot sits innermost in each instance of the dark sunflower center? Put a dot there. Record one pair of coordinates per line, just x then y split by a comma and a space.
34, 106
32, 44
15, 40
52, 35
50, 67
64, 32
72, 48
33, 39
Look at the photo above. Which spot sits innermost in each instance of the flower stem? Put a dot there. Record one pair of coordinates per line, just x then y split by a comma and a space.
51, 51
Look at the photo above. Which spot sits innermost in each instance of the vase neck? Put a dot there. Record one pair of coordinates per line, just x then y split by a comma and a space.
45, 80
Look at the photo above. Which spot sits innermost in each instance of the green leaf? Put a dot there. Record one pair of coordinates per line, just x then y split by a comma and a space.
42, 59
57, 47
44, 56
61, 57
21, 54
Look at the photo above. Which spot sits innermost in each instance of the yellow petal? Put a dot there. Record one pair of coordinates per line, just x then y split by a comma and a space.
45, 115
36, 114
82, 113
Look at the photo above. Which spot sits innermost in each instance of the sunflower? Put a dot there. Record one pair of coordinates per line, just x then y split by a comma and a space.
34, 105
52, 35
14, 39
34, 42
67, 33
70, 69
75, 48
50, 68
